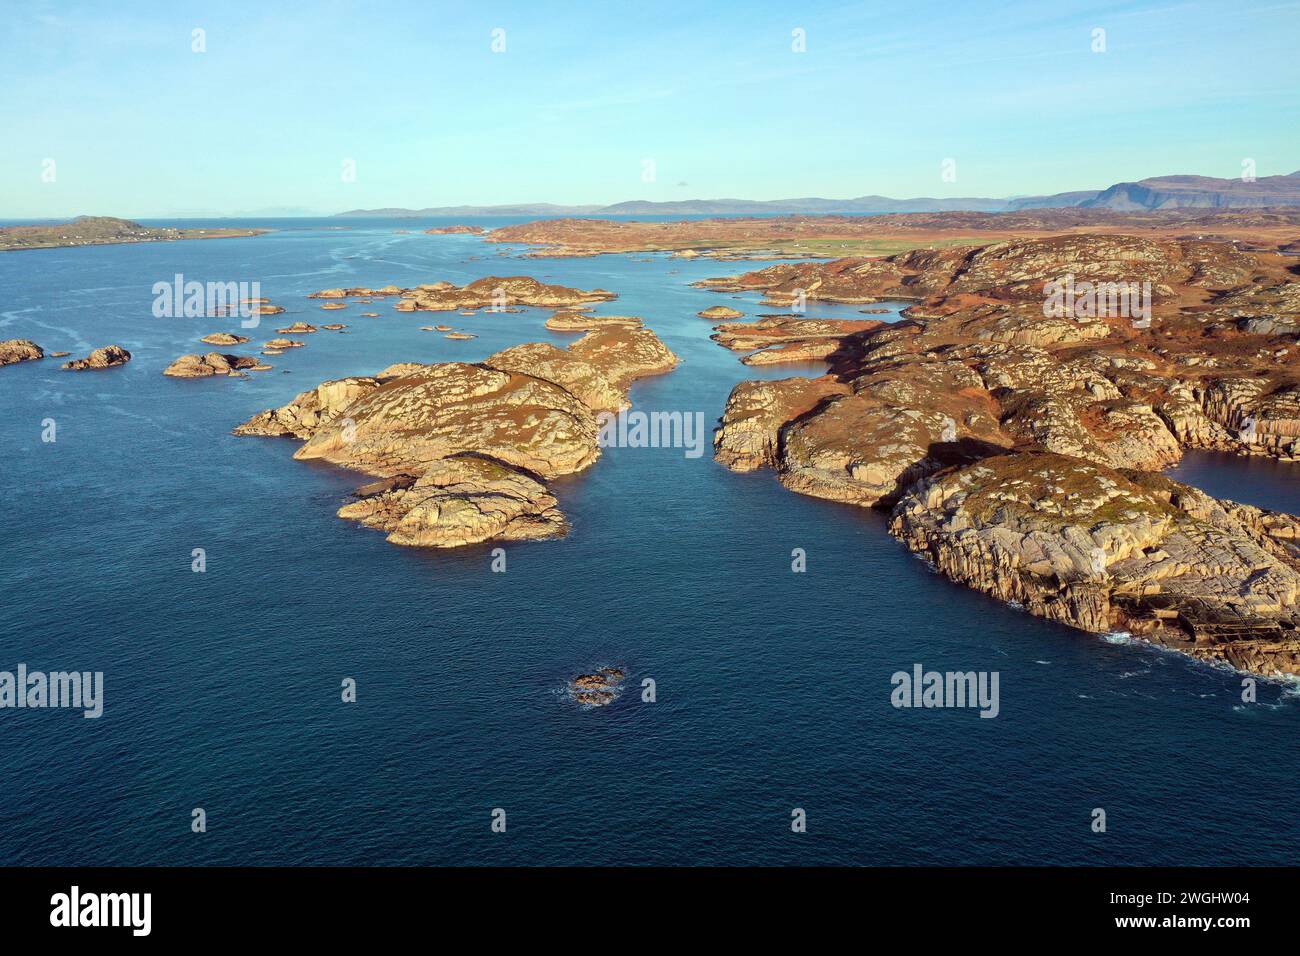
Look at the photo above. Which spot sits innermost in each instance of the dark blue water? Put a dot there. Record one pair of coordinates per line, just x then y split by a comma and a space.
222, 688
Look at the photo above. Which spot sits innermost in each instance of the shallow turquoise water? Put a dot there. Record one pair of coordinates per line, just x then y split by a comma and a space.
222, 688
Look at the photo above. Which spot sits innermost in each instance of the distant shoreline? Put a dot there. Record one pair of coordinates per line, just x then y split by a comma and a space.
107, 231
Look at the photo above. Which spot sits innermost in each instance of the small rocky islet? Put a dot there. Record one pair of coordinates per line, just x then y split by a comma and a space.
13, 351
110, 356
213, 364
599, 688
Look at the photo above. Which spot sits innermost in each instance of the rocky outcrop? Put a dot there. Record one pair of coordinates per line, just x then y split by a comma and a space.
213, 363
758, 412
775, 339
107, 357
19, 350
466, 449
463, 499
491, 291
585, 322
978, 395
1107, 550
599, 688
224, 338
717, 312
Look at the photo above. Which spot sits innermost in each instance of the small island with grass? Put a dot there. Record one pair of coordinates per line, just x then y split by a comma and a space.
103, 230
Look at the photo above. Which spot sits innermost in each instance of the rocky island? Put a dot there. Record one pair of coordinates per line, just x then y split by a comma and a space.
13, 351
490, 291
458, 230
463, 452
110, 356
1020, 452
213, 363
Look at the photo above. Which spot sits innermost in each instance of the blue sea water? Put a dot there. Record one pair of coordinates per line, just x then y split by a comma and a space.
222, 689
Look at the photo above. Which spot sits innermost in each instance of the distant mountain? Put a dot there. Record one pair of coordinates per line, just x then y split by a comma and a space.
1161, 192
1182, 192
1057, 201
524, 209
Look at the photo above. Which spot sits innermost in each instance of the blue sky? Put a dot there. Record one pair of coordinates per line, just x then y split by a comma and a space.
140, 125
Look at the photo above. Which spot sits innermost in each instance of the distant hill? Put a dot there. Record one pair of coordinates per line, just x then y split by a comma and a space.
1160, 192
525, 209
1183, 192
102, 230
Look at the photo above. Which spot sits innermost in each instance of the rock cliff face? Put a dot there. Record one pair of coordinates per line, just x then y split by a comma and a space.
1108, 550
776, 339
1014, 444
19, 350
465, 449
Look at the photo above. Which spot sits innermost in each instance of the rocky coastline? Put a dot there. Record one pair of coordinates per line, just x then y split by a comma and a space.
1020, 452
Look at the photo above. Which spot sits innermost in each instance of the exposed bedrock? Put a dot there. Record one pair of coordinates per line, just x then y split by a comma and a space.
463, 450
978, 401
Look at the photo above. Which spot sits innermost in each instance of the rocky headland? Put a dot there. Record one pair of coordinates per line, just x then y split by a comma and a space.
463, 452
1020, 452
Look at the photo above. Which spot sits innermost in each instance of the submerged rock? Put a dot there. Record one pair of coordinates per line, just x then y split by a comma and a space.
597, 689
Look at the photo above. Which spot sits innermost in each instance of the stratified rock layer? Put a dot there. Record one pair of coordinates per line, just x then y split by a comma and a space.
1108, 550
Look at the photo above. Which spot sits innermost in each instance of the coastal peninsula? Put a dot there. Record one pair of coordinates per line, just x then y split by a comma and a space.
102, 231
1020, 453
